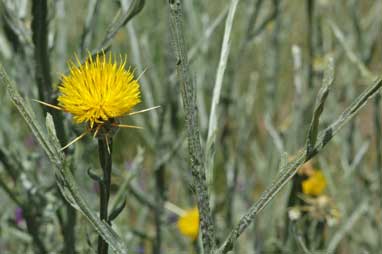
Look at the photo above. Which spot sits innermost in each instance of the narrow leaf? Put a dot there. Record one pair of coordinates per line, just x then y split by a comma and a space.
319, 107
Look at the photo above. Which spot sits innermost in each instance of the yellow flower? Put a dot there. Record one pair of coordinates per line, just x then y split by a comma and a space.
99, 90
315, 184
188, 223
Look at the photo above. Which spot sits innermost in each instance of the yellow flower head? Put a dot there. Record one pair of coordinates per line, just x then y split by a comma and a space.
188, 223
315, 184
98, 90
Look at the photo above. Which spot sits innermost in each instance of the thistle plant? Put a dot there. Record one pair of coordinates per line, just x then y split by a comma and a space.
265, 142
98, 92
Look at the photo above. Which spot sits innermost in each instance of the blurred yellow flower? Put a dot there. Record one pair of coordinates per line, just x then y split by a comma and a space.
188, 223
315, 184
98, 90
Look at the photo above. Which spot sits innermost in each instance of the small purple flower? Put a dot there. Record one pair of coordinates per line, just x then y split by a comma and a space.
140, 250
19, 215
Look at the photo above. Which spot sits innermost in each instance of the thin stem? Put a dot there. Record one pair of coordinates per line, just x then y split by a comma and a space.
90, 24
214, 114
67, 225
273, 70
40, 32
297, 180
310, 13
69, 232
104, 149
43, 76
193, 129
12, 171
378, 143
33, 229
40, 41
158, 211
160, 185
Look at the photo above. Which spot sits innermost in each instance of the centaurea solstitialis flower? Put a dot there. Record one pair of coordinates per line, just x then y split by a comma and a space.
98, 92
188, 223
315, 185
188, 220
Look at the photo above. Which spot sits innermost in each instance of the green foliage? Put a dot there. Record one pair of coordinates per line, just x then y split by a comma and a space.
250, 91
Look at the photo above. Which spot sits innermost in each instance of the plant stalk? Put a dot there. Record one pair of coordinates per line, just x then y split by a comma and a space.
104, 150
193, 132
378, 148
42, 69
310, 39
33, 229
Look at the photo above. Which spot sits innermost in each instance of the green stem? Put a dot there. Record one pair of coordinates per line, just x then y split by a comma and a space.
69, 229
33, 230
378, 143
104, 149
160, 198
293, 198
160, 184
193, 130
43, 77
310, 14
41, 55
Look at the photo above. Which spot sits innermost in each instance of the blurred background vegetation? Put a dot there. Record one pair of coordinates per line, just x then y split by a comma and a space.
278, 52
